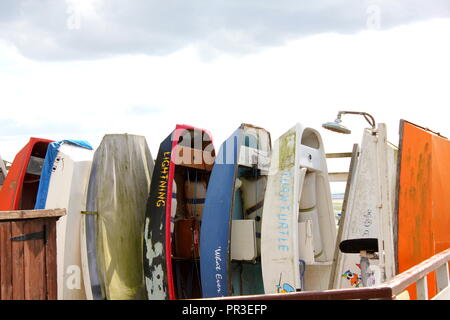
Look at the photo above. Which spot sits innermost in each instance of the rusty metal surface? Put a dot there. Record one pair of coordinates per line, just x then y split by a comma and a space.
423, 204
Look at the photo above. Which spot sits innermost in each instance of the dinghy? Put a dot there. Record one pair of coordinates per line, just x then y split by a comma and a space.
19, 190
298, 225
113, 224
230, 248
3, 172
365, 251
63, 184
174, 214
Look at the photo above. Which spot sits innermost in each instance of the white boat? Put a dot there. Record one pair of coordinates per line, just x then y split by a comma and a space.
3, 172
67, 188
368, 215
298, 226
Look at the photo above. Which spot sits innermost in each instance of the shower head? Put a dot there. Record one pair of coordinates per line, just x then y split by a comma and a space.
336, 126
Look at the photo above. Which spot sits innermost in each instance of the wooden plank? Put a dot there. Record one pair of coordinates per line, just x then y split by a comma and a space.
442, 279
31, 214
410, 276
384, 293
34, 256
338, 176
403, 296
422, 288
191, 157
5, 261
50, 260
339, 155
443, 295
18, 280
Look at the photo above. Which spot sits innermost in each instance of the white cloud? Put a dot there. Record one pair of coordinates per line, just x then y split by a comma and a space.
92, 29
397, 73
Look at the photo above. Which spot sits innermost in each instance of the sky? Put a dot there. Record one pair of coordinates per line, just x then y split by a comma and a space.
80, 69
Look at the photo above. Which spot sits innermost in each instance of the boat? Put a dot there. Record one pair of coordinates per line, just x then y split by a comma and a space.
174, 214
19, 190
3, 172
112, 225
230, 248
298, 225
63, 184
423, 206
364, 252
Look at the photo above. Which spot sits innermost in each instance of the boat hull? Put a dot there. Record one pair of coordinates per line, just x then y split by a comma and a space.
174, 214
113, 223
298, 227
234, 201
19, 190
67, 188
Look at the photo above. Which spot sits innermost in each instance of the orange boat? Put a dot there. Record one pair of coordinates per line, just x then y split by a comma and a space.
423, 198
20, 187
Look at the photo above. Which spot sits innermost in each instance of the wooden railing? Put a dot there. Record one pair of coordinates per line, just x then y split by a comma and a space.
390, 290
418, 275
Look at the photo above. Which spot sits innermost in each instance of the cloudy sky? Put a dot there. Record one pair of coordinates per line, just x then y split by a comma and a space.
82, 68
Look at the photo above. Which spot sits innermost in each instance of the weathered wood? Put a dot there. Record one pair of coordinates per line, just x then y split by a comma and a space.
389, 290
412, 275
50, 259
442, 278
28, 267
31, 214
443, 295
5, 262
194, 158
339, 155
34, 255
18, 280
338, 176
353, 163
384, 293
422, 288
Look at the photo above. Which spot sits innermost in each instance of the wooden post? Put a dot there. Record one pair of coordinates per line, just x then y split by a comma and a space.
442, 277
422, 288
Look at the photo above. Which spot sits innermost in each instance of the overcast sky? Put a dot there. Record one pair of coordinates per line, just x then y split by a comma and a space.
80, 69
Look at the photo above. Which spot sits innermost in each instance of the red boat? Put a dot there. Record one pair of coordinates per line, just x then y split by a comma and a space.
172, 232
20, 187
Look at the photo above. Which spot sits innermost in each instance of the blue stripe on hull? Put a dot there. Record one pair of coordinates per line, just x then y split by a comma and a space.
215, 231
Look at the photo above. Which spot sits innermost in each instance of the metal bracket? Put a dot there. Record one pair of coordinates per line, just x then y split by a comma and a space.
42, 235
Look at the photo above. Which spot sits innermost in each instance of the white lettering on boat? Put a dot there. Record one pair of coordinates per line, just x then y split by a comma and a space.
284, 211
218, 259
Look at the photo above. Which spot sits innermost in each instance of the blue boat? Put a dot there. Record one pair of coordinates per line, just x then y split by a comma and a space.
230, 258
